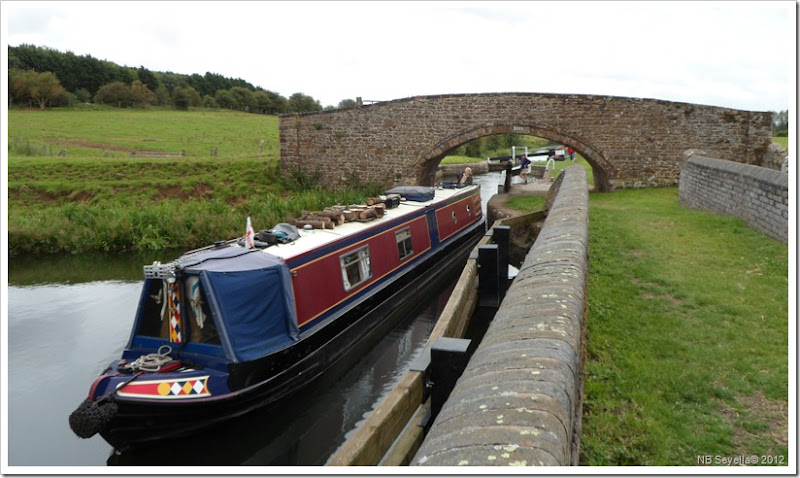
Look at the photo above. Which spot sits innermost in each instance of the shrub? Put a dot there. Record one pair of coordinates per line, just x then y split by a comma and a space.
116, 94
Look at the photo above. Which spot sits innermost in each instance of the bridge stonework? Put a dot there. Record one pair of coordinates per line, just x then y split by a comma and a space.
629, 142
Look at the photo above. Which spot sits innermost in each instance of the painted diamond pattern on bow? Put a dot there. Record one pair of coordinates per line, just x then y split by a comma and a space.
166, 389
176, 388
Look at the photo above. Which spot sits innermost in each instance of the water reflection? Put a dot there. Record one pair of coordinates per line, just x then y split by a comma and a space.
80, 268
59, 338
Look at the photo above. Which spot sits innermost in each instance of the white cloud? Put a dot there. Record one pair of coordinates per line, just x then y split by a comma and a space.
727, 54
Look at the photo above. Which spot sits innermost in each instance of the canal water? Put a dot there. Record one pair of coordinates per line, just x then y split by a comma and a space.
68, 317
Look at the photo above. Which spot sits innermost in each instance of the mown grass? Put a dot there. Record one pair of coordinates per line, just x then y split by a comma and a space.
687, 334
687, 350
527, 203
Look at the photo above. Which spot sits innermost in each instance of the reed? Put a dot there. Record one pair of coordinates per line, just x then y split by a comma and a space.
76, 227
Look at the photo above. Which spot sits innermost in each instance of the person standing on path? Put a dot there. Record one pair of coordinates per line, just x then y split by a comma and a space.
525, 168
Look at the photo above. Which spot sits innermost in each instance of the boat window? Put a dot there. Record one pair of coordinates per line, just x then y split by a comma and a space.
356, 267
405, 247
152, 323
201, 323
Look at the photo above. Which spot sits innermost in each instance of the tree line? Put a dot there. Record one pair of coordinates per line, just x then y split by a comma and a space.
42, 77
780, 123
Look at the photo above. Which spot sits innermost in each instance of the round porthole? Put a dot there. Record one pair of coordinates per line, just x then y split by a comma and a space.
455, 218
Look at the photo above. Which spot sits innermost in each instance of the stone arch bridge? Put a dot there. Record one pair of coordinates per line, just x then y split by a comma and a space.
629, 142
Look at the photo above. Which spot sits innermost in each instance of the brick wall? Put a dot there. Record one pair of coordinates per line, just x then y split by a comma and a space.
759, 196
630, 142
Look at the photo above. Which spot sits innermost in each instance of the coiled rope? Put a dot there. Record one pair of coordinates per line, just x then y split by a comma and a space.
151, 362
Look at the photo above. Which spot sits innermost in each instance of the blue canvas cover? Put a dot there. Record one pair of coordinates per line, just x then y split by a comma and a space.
251, 292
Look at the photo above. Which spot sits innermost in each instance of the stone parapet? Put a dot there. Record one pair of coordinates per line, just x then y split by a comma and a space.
759, 196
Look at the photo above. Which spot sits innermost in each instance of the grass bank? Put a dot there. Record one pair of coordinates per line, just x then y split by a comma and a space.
687, 335
100, 198
687, 351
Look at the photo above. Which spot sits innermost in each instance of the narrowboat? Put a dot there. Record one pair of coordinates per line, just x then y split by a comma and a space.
244, 323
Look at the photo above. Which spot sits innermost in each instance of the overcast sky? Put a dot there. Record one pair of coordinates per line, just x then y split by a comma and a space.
732, 54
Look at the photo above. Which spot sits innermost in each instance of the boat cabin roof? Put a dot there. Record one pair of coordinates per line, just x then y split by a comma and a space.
316, 238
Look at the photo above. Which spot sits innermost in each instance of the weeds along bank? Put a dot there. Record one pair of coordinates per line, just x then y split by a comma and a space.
77, 207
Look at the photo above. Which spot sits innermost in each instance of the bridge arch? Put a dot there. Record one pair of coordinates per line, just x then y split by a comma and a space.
430, 161
630, 142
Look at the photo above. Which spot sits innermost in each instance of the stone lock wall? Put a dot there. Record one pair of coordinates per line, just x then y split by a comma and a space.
630, 142
759, 196
519, 401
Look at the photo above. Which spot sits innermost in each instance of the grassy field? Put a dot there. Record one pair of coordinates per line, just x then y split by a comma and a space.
687, 350
96, 132
101, 198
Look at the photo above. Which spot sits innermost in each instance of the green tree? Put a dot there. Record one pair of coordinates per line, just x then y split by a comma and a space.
18, 86
64, 99
82, 95
163, 97
348, 103
244, 98
116, 94
273, 103
186, 96
491, 143
301, 103
41, 88
780, 123
142, 96
171, 81
474, 148
148, 78
226, 99
209, 102
199, 83
262, 100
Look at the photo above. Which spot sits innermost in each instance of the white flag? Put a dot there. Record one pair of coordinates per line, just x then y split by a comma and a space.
249, 235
